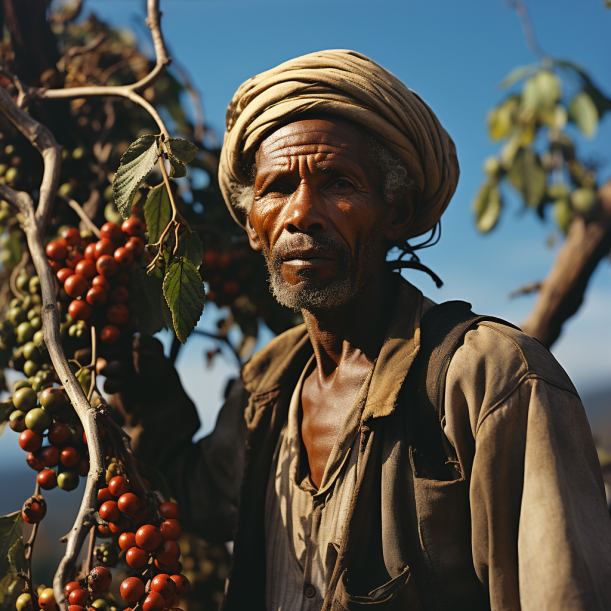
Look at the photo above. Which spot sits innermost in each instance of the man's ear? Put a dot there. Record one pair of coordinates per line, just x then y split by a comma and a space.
253, 236
401, 214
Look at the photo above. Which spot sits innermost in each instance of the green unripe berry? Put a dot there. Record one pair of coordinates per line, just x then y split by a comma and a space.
24, 602
15, 302
20, 384
38, 338
25, 332
22, 281
30, 368
36, 323
100, 605
25, 399
34, 284
84, 377
38, 419
31, 352
34, 310
53, 399
67, 480
17, 421
16, 315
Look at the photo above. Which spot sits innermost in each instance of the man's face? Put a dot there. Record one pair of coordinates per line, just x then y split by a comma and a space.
317, 213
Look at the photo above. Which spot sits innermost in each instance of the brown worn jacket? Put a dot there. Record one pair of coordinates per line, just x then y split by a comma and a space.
523, 526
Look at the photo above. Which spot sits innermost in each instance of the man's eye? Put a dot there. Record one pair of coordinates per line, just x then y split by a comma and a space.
341, 183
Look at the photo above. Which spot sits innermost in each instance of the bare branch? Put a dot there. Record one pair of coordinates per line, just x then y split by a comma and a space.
561, 293
90, 46
82, 215
527, 28
25, 257
533, 287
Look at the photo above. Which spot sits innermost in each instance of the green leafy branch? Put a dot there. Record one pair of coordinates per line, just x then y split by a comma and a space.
549, 173
178, 251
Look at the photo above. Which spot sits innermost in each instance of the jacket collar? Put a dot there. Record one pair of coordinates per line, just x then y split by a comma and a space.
281, 362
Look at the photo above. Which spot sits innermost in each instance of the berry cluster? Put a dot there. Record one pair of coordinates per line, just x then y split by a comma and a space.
153, 549
94, 276
80, 593
36, 416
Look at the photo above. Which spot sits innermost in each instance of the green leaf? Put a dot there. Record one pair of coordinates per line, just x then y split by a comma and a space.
519, 73
149, 298
177, 169
136, 164
184, 291
583, 112
12, 556
601, 101
563, 214
528, 176
501, 120
191, 247
182, 150
157, 212
542, 90
487, 206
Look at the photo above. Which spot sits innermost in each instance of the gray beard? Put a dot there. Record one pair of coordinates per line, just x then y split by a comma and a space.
338, 292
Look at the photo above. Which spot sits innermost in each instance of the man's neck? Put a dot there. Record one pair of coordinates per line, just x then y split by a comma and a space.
352, 335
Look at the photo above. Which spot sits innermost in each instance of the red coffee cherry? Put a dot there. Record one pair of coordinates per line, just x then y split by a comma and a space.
224, 260
136, 557
35, 511
46, 600
104, 247
164, 585
153, 602
79, 597
47, 479
30, 441
171, 569
96, 296
107, 266
73, 259
110, 512
57, 250
168, 553
102, 282
132, 590
170, 530
120, 527
80, 310
172, 603
55, 265
127, 540
69, 587
58, 433
100, 579
69, 457
135, 245
128, 503
83, 467
72, 236
117, 314
118, 485
75, 285
119, 294
76, 608
133, 226
64, 273
231, 287
183, 586
111, 231
148, 537
110, 334
90, 252
104, 531
86, 268
141, 516
123, 256
34, 460
169, 510
50, 456
105, 495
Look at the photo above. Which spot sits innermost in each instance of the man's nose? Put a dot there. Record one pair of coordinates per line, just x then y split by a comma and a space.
305, 211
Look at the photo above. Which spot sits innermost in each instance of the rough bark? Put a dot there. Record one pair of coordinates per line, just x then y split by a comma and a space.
561, 293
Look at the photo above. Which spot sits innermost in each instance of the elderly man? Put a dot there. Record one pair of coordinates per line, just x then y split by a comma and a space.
389, 451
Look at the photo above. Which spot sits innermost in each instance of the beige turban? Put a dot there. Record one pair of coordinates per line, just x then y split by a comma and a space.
352, 86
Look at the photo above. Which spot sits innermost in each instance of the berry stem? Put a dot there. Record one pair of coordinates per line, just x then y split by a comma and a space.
29, 551
90, 549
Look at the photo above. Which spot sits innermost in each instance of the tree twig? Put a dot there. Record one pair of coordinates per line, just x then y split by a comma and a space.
25, 257
90, 46
29, 550
220, 338
527, 28
82, 215
90, 548
533, 287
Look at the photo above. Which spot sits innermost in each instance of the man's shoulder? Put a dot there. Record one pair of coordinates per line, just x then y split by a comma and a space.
268, 367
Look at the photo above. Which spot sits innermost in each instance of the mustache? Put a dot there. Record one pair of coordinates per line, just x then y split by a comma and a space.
302, 241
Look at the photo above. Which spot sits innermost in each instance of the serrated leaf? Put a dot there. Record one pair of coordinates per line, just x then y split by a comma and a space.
184, 292
177, 168
157, 212
149, 295
191, 247
519, 73
136, 164
487, 206
528, 176
16, 555
183, 150
583, 112
10, 561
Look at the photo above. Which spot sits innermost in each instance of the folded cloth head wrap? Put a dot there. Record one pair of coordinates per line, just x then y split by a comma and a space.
352, 86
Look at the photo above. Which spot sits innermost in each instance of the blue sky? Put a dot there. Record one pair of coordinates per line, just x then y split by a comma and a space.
453, 54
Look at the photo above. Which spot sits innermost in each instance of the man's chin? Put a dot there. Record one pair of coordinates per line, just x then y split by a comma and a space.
310, 296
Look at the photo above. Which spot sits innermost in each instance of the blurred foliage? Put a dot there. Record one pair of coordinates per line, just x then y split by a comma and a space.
538, 157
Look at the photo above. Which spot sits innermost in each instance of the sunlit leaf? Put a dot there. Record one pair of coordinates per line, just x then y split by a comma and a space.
584, 200
501, 120
542, 90
563, 213
184, 292
157, 212
487, 206
136, 164
183, 150
583, 112
528, 176
519, 73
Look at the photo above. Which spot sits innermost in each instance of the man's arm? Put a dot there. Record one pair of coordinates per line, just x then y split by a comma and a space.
541, 532
204, 477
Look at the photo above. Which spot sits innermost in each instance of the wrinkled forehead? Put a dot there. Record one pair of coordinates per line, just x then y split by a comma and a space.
315, 135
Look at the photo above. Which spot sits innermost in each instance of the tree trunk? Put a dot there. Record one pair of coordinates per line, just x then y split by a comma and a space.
561, 293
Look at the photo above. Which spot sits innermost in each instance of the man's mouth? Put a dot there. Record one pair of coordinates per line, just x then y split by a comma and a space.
303, 258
